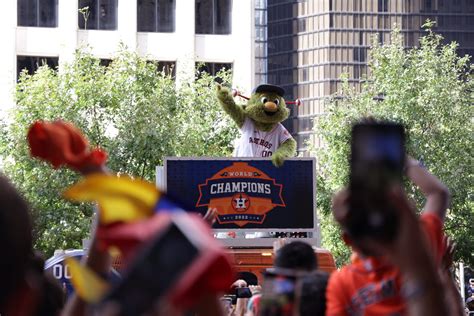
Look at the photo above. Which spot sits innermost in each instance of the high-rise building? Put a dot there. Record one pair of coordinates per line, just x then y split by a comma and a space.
312, 42
261, 41
176, 33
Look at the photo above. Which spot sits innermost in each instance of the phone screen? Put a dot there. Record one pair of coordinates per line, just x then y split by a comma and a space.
154, 272
243, 292
377, 148
377, 160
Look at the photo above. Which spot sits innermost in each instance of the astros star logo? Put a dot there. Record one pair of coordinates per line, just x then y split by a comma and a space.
240, 202
241, 193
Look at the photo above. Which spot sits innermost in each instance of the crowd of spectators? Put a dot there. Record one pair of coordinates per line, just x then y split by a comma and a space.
408, 275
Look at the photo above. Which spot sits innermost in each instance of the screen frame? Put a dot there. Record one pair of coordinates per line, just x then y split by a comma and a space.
314, 233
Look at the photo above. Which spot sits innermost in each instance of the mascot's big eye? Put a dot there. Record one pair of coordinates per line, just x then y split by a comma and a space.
276, 101
264, 100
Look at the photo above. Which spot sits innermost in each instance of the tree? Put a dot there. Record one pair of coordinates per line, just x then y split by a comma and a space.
131, 108
430, 90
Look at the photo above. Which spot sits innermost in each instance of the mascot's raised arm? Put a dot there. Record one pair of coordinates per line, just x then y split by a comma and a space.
262, 134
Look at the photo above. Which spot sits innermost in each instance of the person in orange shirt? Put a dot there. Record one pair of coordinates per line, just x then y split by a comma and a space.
398, 277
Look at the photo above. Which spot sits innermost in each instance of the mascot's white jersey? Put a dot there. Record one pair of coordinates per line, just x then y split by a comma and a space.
256, 143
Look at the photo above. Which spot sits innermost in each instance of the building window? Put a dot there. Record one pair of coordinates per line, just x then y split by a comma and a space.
359, 54
363, 55
212, 68
302, 25
156, 16
357, 5
168, 67
356, 72
469, 21
382, 5
356, 54
105, 62
213, 16
428, 5
470, 7
97, 14
32, 63
42, 13
440, 22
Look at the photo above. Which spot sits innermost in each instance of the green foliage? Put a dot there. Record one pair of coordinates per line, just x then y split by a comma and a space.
430, 90
130, 108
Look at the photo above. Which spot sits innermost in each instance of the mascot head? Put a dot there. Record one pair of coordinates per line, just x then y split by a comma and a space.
267, 105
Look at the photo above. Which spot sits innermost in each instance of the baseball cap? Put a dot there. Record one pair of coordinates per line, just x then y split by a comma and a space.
270, 88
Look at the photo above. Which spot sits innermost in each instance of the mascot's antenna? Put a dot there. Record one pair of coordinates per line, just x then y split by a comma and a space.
236, 93
297, 102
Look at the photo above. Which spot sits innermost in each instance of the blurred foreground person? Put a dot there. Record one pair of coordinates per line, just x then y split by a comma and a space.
294, 286
24, 289
313, 294
171, 263
288, 292
452, 295
399, 276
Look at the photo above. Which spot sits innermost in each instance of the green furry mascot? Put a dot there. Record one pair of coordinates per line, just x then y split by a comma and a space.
259, 121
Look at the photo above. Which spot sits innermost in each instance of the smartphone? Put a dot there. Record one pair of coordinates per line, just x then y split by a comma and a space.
156, 269
376, 164
243, 292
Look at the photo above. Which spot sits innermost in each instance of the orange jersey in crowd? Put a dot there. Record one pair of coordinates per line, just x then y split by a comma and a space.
371, 287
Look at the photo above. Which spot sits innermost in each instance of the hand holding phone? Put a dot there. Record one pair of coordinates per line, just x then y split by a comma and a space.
377, 161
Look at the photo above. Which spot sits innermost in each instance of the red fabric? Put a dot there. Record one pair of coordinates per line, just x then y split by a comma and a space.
212, 272
254, 303
129, 237
372, 287
61, 143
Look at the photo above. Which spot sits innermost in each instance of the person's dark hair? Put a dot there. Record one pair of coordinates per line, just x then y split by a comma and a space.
15, 238
313, 294
296, 255
470, 303
248, 277
19, 264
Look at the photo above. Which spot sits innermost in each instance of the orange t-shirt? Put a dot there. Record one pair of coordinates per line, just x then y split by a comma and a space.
371, 286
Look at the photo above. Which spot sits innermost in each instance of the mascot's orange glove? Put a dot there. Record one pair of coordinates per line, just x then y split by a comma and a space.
61, 143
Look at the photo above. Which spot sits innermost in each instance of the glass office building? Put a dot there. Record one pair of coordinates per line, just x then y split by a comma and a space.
310, 43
